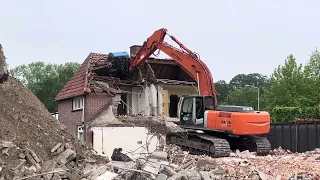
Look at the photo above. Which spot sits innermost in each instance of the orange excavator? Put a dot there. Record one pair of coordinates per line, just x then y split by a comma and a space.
211, 129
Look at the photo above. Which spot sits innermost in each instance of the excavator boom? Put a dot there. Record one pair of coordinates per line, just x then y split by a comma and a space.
3, 66
225, 128
187, 60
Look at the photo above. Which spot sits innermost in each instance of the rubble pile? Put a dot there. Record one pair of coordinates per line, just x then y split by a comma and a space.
33, 143
175, 164
156, 125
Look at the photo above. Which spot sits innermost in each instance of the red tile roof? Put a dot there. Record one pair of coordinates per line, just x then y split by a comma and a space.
77, 84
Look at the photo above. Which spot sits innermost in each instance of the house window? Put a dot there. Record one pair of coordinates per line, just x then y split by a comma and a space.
80, 132
77, 103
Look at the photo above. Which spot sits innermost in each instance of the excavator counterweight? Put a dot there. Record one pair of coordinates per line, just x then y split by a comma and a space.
223, 128
4, 73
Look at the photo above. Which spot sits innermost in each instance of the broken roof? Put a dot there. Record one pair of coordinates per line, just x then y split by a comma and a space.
77, 84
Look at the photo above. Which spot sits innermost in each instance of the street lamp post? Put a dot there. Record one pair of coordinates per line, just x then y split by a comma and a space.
258, 95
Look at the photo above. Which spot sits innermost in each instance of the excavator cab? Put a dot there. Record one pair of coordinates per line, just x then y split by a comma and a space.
191, 109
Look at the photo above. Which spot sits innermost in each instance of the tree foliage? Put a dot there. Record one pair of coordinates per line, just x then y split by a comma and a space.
292, 91
45, 80
246, 97
294, 85
241, 95
223, 89
254, 79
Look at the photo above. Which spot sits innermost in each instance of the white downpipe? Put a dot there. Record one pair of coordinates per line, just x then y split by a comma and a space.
83, 108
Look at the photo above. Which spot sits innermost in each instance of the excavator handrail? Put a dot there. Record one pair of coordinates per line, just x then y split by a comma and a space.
187, 59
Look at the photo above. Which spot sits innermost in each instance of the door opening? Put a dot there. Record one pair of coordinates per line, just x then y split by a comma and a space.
174, 100
122, 107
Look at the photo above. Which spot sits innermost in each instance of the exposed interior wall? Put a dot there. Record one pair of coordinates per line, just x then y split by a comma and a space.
136, 94
170, 109
160, 100
141, 100
105, 139
155, 100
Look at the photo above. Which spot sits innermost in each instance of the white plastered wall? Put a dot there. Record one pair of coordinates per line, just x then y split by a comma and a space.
150, 100
105, 139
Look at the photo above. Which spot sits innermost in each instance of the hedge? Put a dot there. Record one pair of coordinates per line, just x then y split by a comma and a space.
287, 114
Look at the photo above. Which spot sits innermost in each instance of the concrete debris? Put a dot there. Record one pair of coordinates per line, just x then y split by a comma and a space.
106, 175
159, 155
66, 157
244, 154
56, 147
157, 125
63, 166
243, 165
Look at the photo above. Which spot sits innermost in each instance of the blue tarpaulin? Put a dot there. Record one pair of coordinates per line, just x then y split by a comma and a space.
118, 54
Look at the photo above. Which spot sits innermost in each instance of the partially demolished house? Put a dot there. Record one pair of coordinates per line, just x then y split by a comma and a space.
103, 83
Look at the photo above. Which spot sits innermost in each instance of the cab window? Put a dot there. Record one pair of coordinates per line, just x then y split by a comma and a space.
187, 105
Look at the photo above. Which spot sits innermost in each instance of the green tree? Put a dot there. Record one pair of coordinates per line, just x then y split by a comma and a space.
223, 90
312, 77
45, 80
246, 97
236, 92
253, 79
289, 85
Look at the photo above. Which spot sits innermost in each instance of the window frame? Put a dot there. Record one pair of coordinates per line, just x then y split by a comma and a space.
77, 103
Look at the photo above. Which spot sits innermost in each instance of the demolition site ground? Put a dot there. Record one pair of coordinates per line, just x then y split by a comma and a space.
34, 145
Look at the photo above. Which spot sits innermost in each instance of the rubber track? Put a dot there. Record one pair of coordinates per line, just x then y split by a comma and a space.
263, 146
221, 146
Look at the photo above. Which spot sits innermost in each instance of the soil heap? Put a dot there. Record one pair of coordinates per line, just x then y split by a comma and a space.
26, 125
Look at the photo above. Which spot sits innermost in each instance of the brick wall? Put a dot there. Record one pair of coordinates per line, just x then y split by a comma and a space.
68, 117
94, 104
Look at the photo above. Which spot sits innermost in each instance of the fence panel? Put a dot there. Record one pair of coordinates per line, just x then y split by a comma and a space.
297, 137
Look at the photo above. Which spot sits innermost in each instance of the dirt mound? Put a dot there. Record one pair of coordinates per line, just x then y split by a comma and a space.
26, 122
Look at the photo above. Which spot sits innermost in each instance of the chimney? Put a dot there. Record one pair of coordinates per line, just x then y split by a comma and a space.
134, 49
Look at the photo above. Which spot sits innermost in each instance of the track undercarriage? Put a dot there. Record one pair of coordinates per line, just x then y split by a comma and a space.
218, 144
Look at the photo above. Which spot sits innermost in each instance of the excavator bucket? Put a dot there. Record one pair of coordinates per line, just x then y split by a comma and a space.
4, 73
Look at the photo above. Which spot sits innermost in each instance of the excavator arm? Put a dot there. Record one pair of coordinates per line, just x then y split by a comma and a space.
187, 59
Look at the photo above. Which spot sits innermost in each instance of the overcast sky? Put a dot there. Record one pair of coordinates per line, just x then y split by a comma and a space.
231, 37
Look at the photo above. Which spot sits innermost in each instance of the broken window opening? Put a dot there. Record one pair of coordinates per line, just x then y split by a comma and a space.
122, 107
